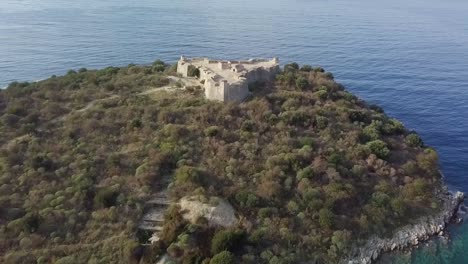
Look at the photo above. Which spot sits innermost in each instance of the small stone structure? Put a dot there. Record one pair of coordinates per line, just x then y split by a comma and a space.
229, 80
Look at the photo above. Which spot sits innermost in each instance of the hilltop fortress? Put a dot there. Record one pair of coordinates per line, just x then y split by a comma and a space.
229, 80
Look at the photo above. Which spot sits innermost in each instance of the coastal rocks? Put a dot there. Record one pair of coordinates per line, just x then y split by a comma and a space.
410, 235
217, 211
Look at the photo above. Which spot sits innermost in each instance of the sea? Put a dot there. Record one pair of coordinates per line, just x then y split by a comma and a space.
410, 57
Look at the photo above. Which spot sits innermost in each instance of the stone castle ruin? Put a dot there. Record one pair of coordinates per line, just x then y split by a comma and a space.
229, 80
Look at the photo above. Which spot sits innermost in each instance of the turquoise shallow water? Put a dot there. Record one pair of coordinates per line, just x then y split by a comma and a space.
411, 57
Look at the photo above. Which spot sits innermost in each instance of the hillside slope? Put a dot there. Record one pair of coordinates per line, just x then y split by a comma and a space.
309, 169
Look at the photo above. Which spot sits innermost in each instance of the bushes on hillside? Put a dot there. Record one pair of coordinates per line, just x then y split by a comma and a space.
302, 83
158, 66
414, 140
294, 160
223, 257
188, 174
226, 240
379, 148
105, 197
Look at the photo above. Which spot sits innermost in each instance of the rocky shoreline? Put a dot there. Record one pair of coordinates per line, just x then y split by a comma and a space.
410, 235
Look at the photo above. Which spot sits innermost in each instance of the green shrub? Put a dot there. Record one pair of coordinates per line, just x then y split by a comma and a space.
136, 123
226, 240
158, 68
307, 172
188, 174
326, 218
291, 67
67, 260
306, 68
322, 94
223, 257
247, 199
212, 131
302, 83
306, 141
321, 122
371, 133
319, 69
414, 140
358, 116
429, 161
329, 76
248, 125
105, 197
393, 127
158, 62
376, 108
379, 148
267, 212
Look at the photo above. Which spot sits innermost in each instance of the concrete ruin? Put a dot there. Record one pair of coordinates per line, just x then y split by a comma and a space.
229, 80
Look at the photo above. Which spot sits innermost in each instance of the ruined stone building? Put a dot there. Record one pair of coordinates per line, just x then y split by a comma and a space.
229, 80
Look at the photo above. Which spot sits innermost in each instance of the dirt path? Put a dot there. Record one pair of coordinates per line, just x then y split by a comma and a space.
92, 103
175, 83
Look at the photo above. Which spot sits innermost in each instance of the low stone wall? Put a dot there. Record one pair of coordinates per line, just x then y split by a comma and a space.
410, 235
213, 90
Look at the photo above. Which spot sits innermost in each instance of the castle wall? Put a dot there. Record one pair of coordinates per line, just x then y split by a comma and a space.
203, 74
262, 74
182, 68
236, 92
221, 85
213, 90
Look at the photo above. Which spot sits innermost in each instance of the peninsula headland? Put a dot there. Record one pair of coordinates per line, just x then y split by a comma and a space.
213, 162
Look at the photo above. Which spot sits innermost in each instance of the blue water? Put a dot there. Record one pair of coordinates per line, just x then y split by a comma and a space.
411, 57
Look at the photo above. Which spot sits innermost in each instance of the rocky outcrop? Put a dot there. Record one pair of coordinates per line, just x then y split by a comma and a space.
216, 211
410, 235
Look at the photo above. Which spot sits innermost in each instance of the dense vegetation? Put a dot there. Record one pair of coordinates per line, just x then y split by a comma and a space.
310, 169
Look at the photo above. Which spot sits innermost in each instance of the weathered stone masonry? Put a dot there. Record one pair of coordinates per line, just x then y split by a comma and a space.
229, 80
